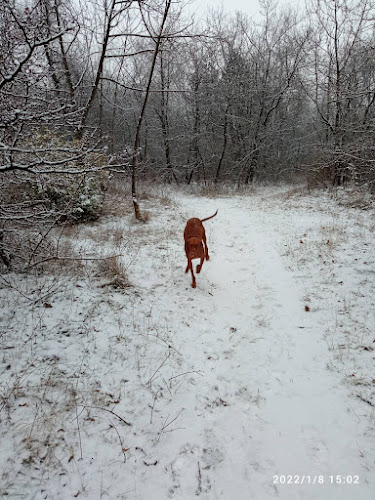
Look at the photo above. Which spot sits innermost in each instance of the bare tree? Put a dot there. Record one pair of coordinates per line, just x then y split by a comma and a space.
38, 113
343, 100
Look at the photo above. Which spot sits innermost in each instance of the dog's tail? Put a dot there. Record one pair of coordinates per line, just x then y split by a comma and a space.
210, 217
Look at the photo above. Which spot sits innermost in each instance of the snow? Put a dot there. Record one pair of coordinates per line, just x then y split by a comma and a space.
263, 373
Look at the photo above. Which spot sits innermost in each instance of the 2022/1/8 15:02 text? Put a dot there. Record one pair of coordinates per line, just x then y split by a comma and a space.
315, 479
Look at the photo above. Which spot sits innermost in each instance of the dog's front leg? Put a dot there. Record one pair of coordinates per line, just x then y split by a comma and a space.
194, 285
190, 265
199, 266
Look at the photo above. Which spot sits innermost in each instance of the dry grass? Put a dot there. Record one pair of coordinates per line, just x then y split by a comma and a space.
296, 192
118, 200
159, 194
118, 236
113, 269
333, 234
355, 197
211, 190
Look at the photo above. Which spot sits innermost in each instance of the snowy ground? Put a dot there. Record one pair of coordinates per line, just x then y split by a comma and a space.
262, 375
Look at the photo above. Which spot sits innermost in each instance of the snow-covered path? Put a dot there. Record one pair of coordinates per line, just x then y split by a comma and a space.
267, 408
302, 426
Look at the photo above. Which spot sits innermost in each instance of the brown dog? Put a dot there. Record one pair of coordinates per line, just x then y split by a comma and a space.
196, 244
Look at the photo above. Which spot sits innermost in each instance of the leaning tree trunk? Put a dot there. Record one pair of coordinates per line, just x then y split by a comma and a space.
137, 211
79, 130
225, 142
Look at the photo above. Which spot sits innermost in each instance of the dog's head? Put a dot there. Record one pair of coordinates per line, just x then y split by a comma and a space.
194, 248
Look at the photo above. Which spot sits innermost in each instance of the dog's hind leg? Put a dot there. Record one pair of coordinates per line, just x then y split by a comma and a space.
189, 261
207, 257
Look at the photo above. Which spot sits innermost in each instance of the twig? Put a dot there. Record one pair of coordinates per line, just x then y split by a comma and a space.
109, 411
52, 289
153, 405
165, 425
44, 236
167, 386
186, 373
199, 489
79, 434
366, 400
152, 376
121, 443
80, 259
34, 420
157, 336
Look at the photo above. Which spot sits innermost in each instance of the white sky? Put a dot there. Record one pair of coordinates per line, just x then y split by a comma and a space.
250, 7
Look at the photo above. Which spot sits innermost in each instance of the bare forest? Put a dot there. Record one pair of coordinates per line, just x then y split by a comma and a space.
142, 90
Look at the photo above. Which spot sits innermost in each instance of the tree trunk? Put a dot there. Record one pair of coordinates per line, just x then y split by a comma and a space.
225, 142
137, 211
94, 91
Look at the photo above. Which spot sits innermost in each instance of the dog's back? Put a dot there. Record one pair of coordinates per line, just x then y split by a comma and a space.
194, 229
